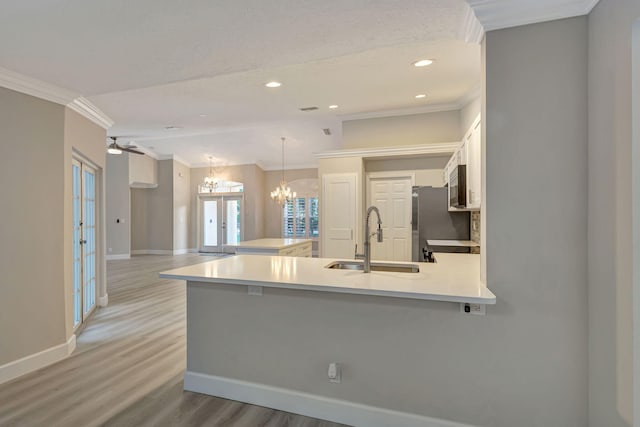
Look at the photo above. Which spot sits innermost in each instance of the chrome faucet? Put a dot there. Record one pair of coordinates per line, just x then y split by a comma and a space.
367, 244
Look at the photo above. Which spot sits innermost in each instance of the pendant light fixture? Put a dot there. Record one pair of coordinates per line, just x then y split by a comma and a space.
282, 194
210, 183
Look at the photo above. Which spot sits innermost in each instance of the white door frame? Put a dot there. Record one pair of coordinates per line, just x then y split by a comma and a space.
218, 196
100, 285
635, 215
369, 176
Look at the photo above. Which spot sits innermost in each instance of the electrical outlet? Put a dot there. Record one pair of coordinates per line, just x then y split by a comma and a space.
254, 290
471, 308
335, 372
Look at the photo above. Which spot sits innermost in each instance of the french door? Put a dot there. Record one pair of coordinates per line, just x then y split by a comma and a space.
84, 241
220, 222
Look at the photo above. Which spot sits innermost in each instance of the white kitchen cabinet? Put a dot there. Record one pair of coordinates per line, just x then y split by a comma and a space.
474, 165
469, 153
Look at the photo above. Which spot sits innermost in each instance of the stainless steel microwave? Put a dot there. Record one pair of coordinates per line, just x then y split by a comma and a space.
458, 187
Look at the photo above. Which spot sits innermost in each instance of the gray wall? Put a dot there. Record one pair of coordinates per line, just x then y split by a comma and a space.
39, 139
610, 195
402, 130
536, 175
525, 362
32, 300
152, 213
86, 139
181, 206
253, 179
118, 201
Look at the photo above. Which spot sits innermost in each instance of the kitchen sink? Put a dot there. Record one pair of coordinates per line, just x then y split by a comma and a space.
375, 266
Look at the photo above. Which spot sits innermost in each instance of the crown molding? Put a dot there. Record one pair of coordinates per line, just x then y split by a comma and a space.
86, 109
291, 167
471, 30
408, 150
43, 90
472, 95
174, 157
34, 87
497, 14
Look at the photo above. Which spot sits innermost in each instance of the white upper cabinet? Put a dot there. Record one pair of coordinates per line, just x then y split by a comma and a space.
473, 142
469, 153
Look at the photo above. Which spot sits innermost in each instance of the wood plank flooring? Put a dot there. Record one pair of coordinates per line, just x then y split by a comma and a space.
128, 365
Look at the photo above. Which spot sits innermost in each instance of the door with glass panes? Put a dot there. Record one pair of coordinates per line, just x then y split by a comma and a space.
84, 241
221, 222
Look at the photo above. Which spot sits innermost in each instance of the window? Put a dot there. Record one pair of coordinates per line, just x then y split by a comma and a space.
300, 218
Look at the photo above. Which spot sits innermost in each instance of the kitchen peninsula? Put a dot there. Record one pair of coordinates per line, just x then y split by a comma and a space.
264, 329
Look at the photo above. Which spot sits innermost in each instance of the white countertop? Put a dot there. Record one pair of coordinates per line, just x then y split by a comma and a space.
457, 243
454, 278
275, 244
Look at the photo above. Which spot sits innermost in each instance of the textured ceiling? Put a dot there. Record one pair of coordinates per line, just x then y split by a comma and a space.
155, 63
95, 47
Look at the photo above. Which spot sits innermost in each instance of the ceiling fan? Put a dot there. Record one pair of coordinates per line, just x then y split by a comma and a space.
115, 148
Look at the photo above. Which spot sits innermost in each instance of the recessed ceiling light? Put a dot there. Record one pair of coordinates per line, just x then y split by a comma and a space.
172, 128
204, 115
422, 95
333, 107
423, 63
273, 84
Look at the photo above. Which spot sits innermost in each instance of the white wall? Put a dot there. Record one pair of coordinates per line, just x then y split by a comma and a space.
610, 221
468, 114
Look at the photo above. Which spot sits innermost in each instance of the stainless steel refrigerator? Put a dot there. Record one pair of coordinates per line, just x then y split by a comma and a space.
431, 219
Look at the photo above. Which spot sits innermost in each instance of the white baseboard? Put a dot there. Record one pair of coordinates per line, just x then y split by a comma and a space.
161, 252
193, 250
36, 361
182, 251
119, 256
151, 252
311, 405
103, 301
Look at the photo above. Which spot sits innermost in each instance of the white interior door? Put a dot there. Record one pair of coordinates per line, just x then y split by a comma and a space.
339, 206
392, 196
221, 222
84, 241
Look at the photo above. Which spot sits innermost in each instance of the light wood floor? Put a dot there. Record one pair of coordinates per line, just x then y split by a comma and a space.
128, 365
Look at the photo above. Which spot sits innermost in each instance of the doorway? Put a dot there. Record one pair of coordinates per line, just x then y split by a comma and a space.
391, 193
84, 241
221, 224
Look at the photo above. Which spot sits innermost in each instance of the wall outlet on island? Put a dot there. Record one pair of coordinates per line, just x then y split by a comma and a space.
471, 308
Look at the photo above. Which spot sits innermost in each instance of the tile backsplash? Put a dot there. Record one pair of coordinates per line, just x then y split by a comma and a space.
475, 229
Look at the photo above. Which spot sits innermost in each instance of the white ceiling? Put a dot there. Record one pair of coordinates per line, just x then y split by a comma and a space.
154, 63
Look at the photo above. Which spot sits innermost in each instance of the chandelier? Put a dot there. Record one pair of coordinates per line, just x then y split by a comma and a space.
210, 183
282, 194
